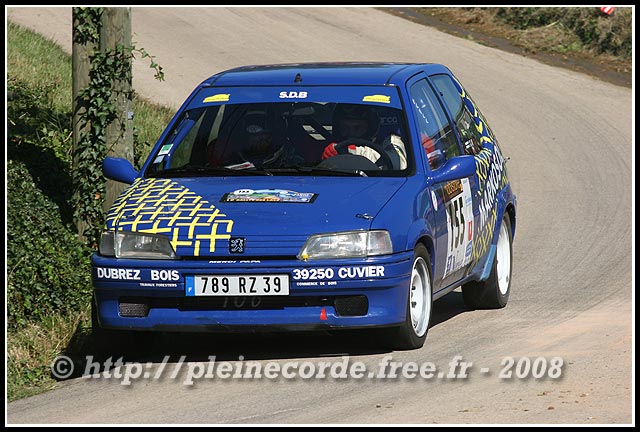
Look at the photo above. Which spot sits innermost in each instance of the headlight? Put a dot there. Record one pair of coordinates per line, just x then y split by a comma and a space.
350, 244
126, 244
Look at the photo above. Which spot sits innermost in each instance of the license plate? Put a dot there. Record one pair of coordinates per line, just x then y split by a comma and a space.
245, 285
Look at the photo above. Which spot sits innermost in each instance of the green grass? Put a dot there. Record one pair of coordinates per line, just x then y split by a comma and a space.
149, 120
32, 349
39, 63
39, 152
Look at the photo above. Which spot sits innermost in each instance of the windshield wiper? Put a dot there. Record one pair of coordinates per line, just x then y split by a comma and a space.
321, 170
200, 171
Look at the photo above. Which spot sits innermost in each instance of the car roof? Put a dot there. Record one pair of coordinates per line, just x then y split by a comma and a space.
334, 73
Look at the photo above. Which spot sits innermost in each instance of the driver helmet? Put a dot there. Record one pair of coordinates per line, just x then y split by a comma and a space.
259, 140
355, 121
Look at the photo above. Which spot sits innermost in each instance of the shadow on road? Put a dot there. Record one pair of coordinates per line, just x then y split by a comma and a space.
154, 347
447, 307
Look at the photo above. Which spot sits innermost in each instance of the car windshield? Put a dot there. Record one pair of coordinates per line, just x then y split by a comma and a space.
226, 132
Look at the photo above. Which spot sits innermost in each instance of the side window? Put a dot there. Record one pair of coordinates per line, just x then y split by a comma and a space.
186, 145
437, 136
464, 112
182, 153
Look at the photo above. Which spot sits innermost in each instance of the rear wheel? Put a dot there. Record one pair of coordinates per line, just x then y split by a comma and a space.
413, 332
493, 293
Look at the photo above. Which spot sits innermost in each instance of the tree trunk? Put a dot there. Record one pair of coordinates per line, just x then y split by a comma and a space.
116, 32
83, 48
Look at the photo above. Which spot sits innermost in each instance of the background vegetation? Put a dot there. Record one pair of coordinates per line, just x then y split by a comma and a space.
48, 271
577, 32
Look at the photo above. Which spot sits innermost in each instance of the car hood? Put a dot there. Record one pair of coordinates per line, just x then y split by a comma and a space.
250, 217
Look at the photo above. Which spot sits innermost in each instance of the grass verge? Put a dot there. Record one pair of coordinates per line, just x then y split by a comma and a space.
49, 283
31, 351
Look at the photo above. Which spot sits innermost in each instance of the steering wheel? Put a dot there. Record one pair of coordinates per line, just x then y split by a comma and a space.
385, 160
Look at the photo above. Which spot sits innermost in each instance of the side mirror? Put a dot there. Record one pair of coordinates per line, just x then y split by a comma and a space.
456, 168
119, 169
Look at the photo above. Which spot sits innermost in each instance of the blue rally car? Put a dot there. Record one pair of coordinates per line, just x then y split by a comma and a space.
310, 196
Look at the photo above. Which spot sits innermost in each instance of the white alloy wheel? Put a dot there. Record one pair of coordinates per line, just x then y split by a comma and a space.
503, 256
419, 301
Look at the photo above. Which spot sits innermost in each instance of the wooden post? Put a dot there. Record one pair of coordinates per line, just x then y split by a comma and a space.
83, 47
116, 31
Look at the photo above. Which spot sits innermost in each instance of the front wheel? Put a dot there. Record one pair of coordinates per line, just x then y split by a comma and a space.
413, 332
493, 293
101, 336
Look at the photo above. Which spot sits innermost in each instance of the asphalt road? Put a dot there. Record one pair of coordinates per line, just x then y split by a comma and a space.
569, 139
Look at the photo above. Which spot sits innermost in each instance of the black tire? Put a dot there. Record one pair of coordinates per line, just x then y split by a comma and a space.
413, 332
101, 336
493, 293
95, 323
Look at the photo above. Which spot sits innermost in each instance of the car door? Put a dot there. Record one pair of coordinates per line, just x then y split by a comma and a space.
452, 200
478, 140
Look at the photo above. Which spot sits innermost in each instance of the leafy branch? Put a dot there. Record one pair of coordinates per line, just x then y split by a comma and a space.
98, 98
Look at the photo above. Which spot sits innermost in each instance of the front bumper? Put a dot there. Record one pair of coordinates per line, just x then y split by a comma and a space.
150, 295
